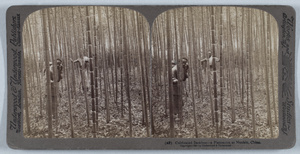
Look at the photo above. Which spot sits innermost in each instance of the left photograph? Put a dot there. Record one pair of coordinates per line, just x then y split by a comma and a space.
86, 73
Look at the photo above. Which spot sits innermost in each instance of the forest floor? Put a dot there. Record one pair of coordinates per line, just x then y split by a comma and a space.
118, 126
240, 128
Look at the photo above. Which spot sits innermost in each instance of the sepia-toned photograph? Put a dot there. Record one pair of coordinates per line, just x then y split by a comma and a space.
105, 72
215, 73
83, 73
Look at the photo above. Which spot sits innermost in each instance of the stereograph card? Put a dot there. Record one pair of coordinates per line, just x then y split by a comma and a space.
151, 77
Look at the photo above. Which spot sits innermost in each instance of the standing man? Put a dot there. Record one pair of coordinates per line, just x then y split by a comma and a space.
209, 60
59, 68
179, 74
55, 76
175, 87
83, 65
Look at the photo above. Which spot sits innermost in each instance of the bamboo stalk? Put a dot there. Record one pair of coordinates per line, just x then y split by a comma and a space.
96, 71
231, 78
267, 45
180, 72
248, 60
251, 76
207, 67
238, 49
147, 77
91, 73
46, 47
242, 63
54, 83
139, 27
105, 73
221, 69
201, 42
81, 70
140, 67
214, 69
193, 62
36, 61
170, 74
122, 62
73, 48
66, 56
26, 105
115, 53
127, 73
272, 72
165, 68
195, 39
56, 78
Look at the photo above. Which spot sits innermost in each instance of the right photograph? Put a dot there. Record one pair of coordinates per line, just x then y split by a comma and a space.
214, 73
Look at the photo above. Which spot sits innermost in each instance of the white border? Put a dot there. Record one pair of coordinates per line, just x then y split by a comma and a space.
5, 4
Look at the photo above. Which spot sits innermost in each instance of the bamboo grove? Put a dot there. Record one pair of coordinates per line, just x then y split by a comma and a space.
117, 73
